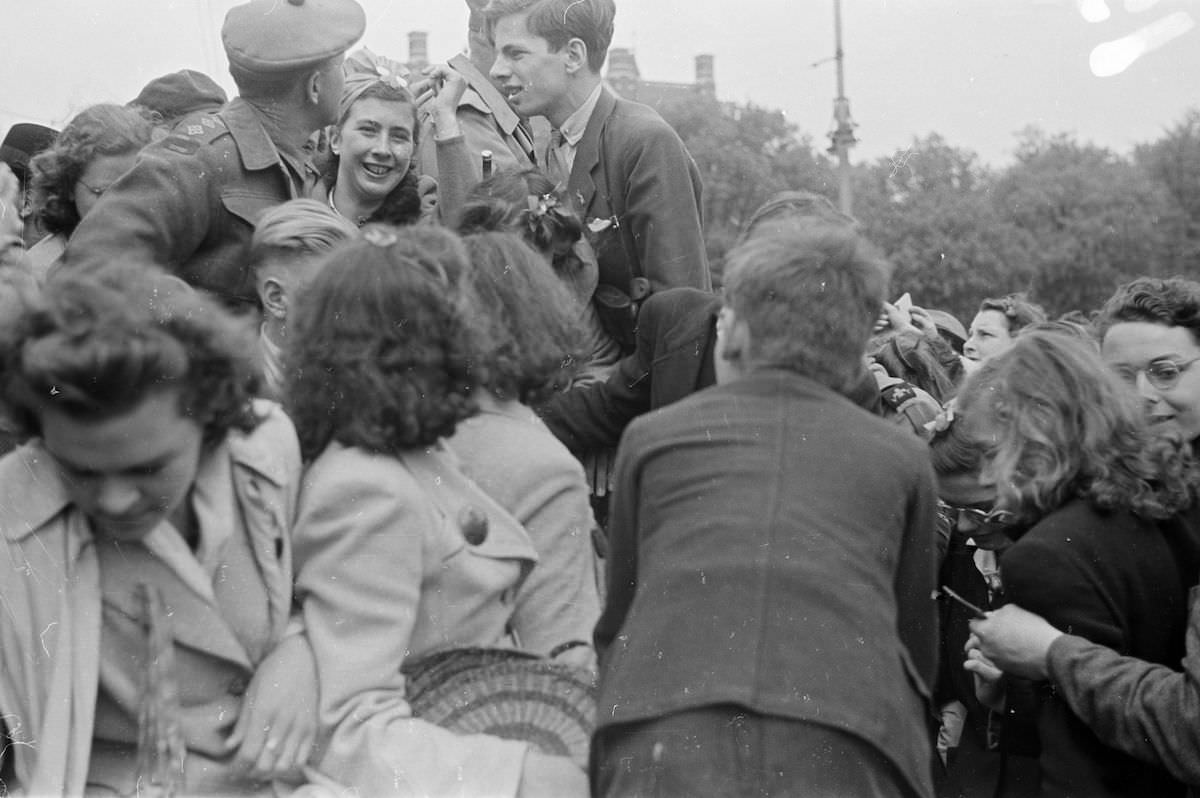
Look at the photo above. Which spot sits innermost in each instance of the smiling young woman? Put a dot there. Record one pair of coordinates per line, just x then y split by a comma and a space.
372, 176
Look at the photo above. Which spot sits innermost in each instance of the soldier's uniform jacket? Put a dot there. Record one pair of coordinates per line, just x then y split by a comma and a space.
190, 202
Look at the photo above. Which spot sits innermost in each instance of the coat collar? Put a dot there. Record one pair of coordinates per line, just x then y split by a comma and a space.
254, 145
32, 492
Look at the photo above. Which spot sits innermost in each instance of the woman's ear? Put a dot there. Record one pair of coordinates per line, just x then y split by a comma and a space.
335, 139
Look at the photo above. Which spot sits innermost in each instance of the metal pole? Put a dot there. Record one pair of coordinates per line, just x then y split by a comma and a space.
843, 133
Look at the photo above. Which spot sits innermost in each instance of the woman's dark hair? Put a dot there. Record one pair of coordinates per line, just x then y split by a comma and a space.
402, 205
95, 344
535, 343
910, 358
382, 353
1172, 302
1017, 309
953, 451
525, 202
103, 129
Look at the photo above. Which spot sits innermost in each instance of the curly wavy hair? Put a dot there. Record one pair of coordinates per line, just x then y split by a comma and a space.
535, 343
525, 202
1058, 424
1172, 302
1017, 309
96, 343
382, 354
402, 205
103, 129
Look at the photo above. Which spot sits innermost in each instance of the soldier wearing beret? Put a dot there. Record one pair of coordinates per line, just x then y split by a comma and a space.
191, 202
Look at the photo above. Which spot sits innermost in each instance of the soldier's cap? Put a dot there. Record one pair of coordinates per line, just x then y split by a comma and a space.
267, 37
179, 93
23, 141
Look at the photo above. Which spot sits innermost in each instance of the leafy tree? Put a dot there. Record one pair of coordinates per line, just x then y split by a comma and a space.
745, 154
930, 211
1174, 163
1092, 214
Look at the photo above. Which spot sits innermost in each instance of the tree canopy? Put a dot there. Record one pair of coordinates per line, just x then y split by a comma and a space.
1067, 221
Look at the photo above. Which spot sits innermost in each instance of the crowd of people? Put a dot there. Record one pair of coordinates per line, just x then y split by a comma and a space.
376, 433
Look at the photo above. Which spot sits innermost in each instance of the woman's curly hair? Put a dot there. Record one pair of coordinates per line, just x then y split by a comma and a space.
535, 344
1172, 302
525, 202
382, 352
1058, 424
95, 344
100, 130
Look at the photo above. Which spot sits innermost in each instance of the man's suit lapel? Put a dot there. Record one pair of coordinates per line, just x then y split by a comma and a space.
581, 188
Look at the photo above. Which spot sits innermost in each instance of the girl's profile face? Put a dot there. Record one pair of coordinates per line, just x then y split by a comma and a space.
129, 472
988, 336
375, 145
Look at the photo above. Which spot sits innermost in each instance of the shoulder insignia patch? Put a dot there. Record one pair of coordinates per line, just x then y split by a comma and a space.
898, 394
181, 144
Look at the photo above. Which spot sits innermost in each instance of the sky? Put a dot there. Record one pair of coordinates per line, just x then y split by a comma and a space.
974, 71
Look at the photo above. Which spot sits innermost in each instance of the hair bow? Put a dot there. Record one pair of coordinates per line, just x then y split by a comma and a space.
364, 69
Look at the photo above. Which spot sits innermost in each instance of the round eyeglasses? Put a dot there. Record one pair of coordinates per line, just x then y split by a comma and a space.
1162, 374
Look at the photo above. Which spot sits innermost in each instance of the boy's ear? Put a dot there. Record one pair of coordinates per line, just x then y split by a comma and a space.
274, 297
576, 52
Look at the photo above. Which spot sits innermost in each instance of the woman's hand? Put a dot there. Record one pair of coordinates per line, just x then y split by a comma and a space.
277, 727
1016, 640
923, 322
546, 776
438, 93
896, 319
989, 680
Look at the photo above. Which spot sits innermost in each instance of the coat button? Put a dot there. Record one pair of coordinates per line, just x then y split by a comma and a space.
473, 523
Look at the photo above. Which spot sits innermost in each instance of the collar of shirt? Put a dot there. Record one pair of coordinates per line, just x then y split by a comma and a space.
573, 128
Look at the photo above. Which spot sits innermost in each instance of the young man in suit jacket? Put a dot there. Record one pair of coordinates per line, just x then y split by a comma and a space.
624, 167
768, 627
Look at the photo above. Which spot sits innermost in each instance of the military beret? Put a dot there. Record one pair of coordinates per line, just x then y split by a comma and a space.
180, 93
272, 36
23, 141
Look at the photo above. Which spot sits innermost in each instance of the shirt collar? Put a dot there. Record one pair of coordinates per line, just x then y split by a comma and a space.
573, 129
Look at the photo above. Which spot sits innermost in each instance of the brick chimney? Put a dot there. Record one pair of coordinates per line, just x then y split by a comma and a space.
623, 73
706, 80
418, 49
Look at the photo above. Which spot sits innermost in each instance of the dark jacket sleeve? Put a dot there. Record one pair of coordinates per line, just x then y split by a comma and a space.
662, 211
1146, 710
916, 577
593, 416
622, 546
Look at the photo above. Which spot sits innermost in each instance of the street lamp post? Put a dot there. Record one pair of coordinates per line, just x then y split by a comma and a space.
842, 136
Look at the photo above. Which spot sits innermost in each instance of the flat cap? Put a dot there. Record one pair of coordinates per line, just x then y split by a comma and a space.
272, 36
